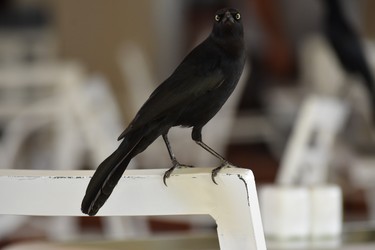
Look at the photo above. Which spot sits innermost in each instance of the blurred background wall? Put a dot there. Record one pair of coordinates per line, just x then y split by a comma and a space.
94, 31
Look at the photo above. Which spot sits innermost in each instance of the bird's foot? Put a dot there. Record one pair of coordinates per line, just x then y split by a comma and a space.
215, 171
168, 173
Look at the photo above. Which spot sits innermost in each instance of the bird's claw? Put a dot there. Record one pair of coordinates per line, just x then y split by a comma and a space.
168, 173
215, 171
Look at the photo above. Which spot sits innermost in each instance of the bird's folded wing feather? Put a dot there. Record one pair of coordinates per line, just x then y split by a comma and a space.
181, 88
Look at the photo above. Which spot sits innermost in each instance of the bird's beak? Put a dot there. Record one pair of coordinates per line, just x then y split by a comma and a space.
228, 18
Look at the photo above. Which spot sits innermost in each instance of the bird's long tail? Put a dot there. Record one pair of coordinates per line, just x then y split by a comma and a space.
106, 177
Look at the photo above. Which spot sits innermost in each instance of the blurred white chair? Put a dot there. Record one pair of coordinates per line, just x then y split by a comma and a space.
301, 181
33, 102
310, 147
82, 117
322, 115
302, 178
323, 70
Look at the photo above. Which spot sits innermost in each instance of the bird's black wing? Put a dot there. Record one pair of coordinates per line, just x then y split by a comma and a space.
195, 76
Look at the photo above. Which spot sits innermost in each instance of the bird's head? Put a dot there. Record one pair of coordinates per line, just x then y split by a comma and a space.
228, 24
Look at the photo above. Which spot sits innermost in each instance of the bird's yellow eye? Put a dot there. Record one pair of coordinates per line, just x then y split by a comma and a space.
238, 16
217, 18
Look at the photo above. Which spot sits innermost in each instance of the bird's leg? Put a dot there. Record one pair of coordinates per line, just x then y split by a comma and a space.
175, 163
224, 163
197, 137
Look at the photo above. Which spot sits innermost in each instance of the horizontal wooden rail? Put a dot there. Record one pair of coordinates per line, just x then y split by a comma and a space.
233, 203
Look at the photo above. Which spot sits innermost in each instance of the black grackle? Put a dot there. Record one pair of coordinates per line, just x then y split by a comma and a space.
190, 97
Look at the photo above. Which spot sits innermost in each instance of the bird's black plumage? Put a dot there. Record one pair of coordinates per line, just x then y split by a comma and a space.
347, 45
190, 97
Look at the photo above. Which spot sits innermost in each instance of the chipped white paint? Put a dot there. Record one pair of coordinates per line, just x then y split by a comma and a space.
233, 203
